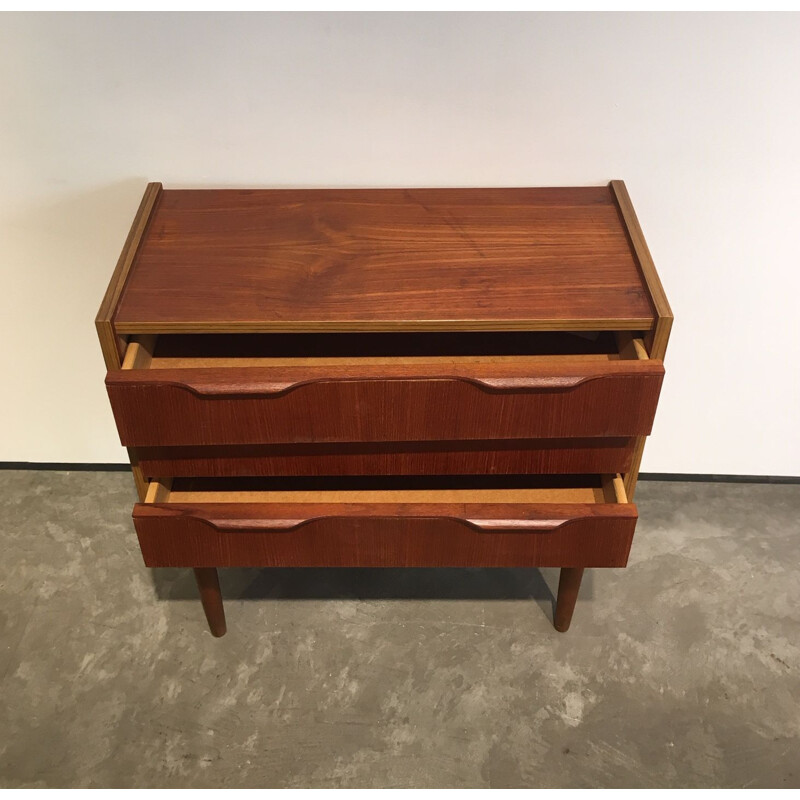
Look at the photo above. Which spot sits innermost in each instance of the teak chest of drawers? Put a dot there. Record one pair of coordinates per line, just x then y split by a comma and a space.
385, 378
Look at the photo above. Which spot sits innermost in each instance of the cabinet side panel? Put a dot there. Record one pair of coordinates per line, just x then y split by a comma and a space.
109, 342
112, 345
658, 337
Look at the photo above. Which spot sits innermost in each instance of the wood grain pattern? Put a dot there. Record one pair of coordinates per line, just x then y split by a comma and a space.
384, 535
385, 259
492, 457
255, 405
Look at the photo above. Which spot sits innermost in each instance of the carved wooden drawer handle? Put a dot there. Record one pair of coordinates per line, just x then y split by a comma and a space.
277, 388
261, 524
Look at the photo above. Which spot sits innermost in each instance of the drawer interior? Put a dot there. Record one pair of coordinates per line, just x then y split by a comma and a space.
521, 489
191, 351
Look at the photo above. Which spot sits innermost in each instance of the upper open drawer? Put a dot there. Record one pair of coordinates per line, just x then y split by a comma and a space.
259, 389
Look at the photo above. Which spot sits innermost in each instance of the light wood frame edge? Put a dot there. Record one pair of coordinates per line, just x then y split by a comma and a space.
104, 321
110, 343
352, 326
158, 491
656, 339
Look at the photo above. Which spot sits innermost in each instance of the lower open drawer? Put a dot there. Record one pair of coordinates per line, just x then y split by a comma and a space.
554, 521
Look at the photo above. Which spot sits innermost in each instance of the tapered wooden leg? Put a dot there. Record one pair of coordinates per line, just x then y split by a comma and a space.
211, 597
569, 584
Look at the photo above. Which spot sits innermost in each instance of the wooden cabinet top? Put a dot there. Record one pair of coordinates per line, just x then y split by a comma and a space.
384, 259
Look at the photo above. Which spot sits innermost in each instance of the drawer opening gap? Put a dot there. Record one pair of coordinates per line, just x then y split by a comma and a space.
393, 489
175, 351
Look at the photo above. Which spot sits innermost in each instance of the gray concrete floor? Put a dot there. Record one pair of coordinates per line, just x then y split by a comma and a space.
681, 670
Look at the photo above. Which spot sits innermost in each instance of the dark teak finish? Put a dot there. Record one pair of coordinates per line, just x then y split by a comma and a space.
211, 597
260, 405
569, 584
466, 457
384, 535
387, 259
511, 339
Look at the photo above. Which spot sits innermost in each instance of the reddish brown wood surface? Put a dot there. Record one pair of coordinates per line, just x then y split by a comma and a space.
384, 535
569, 584
457, 259
211, 597
258, 405
495, 457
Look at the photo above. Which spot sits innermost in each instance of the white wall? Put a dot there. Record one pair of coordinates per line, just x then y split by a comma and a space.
699, 114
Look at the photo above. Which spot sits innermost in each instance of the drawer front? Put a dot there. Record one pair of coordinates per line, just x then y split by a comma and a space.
375, 529
494, 457
172, 407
